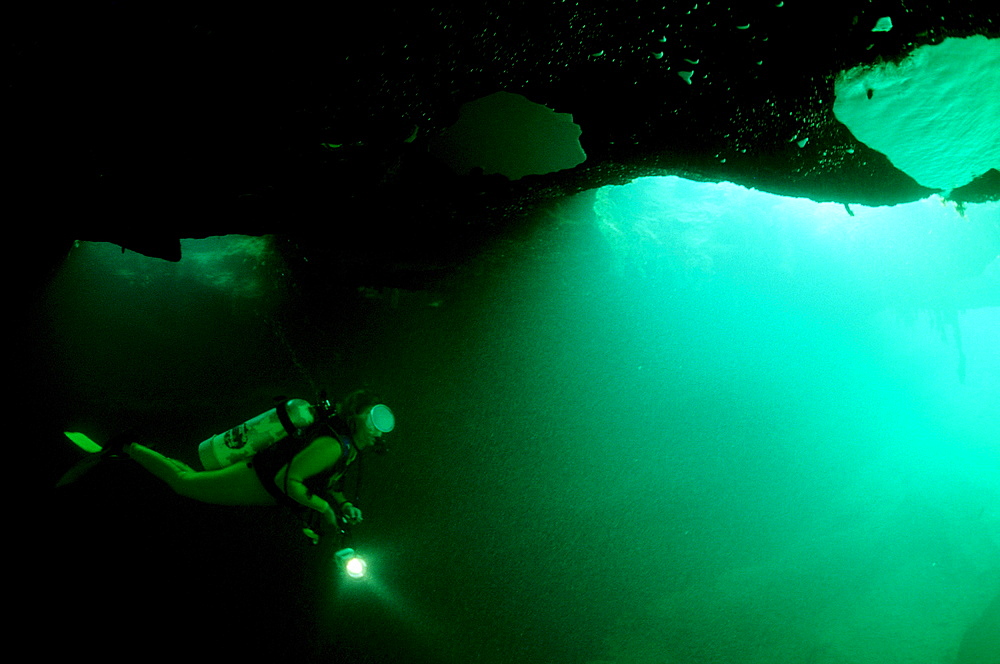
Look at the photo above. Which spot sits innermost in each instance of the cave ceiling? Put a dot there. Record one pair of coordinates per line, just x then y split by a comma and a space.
155, 122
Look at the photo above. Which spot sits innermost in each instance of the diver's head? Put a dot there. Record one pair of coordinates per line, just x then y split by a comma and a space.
367, 417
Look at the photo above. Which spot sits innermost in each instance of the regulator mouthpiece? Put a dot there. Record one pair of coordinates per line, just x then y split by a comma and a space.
381, 418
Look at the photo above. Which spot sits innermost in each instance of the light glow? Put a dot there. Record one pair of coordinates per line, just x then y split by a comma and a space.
356, 568
943, 100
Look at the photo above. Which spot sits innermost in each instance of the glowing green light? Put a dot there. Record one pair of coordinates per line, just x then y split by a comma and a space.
356, 568
944, 99
353, 565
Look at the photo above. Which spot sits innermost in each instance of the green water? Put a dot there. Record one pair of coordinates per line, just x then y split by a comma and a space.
677, 424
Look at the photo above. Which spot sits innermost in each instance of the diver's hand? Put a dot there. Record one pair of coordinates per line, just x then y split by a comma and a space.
352, 514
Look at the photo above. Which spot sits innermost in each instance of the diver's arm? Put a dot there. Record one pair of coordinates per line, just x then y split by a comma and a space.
320, 455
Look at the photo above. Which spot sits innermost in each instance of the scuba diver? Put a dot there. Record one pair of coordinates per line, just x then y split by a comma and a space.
286, 456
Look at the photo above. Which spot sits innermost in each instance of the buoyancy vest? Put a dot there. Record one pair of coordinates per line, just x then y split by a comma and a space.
268, 462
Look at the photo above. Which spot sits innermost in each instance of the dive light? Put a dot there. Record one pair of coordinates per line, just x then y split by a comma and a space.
353, 565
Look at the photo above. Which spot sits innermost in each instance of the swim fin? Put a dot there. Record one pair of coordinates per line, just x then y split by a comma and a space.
83, 442
81, 468
95, 455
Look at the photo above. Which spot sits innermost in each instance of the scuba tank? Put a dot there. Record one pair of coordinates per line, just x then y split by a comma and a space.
245, 440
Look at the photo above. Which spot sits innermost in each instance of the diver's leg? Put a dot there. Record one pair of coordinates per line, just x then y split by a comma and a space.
233, 485
181, 466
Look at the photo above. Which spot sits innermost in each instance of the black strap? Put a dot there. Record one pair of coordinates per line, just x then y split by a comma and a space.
286, 419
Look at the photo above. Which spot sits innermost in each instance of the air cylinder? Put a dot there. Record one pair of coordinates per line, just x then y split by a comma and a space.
243, 441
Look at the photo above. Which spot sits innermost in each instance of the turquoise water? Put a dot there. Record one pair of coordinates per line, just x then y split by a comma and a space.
679, 423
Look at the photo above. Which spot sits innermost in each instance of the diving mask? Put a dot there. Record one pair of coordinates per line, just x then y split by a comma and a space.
380, 418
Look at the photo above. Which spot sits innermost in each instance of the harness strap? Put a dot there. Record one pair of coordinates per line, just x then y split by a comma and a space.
286, 419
